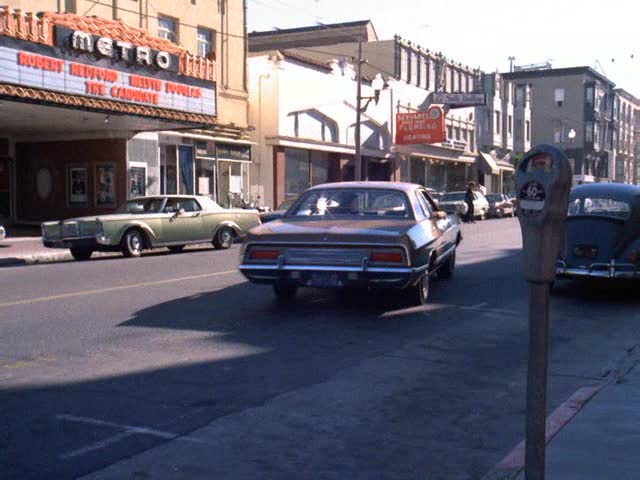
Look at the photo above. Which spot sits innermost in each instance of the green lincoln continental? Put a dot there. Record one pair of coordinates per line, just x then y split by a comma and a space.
171, 221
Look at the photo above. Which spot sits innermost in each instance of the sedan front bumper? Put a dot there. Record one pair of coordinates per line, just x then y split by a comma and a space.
598, 270
333, 276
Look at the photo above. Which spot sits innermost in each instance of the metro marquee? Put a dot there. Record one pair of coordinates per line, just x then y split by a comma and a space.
31, 69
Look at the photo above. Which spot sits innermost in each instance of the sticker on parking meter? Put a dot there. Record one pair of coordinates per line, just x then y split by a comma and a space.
532, 197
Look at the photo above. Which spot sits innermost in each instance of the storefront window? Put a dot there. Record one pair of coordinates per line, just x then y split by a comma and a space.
206, 184
296, 171
417, 171
233, 183
456, 179
436, 176
319, 168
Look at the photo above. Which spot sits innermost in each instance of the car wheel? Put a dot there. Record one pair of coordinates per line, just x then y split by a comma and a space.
284, 292
446, 271
176, 248
81, 254
133, 243
224, 238
418, 294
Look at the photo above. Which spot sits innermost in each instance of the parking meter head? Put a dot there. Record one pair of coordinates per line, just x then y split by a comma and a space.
543, 183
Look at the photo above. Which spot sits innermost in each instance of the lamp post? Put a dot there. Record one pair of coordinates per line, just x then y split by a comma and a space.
377, 84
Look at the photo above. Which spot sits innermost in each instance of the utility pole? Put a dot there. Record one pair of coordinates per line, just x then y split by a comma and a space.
358, 159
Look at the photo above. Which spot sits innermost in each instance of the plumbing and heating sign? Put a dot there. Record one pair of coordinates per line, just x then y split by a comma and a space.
421, 127
103, 68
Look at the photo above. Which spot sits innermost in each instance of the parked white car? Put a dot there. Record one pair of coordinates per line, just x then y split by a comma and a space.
454, 202
2, 233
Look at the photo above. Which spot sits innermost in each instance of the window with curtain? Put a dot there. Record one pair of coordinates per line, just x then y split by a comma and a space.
206, 43
168, 28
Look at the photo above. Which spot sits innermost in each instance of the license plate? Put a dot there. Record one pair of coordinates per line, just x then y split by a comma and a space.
323, 280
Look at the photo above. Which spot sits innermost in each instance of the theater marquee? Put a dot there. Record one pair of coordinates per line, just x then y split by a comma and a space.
79, 63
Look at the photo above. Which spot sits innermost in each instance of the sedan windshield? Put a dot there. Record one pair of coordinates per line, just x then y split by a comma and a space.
364, 202
494, 198
286, 204
142, 205
453, 197
599, 207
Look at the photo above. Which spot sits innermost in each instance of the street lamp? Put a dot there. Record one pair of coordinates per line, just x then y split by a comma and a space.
378, 84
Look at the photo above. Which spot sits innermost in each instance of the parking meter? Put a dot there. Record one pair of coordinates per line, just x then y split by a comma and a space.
543, 182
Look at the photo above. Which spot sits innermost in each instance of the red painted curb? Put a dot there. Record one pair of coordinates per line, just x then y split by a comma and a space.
555, 422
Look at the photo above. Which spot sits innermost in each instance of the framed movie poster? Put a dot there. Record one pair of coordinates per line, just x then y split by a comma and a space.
137, 179
78, 187
105, 185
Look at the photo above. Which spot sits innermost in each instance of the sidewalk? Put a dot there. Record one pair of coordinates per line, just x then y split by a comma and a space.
603, 439
25, 247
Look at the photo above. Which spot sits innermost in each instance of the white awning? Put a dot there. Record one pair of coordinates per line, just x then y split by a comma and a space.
487, 164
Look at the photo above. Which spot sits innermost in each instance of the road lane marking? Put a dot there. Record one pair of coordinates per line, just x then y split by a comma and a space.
113, 289
95, 446
27, 362
129, 428
127, 431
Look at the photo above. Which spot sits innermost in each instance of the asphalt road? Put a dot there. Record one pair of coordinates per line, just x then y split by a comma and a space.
105, 359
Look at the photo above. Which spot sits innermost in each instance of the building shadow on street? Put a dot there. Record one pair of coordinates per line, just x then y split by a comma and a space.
262, 349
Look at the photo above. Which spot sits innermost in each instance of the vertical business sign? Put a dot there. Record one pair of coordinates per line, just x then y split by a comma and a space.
421, 127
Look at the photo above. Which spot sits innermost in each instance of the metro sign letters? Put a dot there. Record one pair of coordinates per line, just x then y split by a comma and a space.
125, 51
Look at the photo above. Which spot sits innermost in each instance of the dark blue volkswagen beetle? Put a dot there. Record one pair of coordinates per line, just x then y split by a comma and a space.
602, 232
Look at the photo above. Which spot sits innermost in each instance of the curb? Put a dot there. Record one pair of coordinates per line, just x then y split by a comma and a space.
33, 259
511, 466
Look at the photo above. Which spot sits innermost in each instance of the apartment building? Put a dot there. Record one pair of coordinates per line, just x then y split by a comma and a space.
132, 99
409, 73
573, 108
625, 115
504, 130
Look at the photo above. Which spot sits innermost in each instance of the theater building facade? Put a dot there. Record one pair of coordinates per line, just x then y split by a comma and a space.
82, 103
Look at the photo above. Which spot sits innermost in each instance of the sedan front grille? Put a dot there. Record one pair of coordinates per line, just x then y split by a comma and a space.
325, 256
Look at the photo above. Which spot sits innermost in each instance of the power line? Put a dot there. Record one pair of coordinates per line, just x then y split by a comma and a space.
182, 24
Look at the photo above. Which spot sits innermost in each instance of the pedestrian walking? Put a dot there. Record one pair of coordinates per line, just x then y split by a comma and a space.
468, 198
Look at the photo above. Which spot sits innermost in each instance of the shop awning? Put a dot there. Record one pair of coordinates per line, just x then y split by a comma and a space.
487, 164
425, 156
506, 167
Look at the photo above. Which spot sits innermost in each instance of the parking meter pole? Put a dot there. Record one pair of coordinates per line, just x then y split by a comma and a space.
543, 179
537, 380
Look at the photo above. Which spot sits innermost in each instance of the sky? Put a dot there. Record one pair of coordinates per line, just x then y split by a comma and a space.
485, 33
